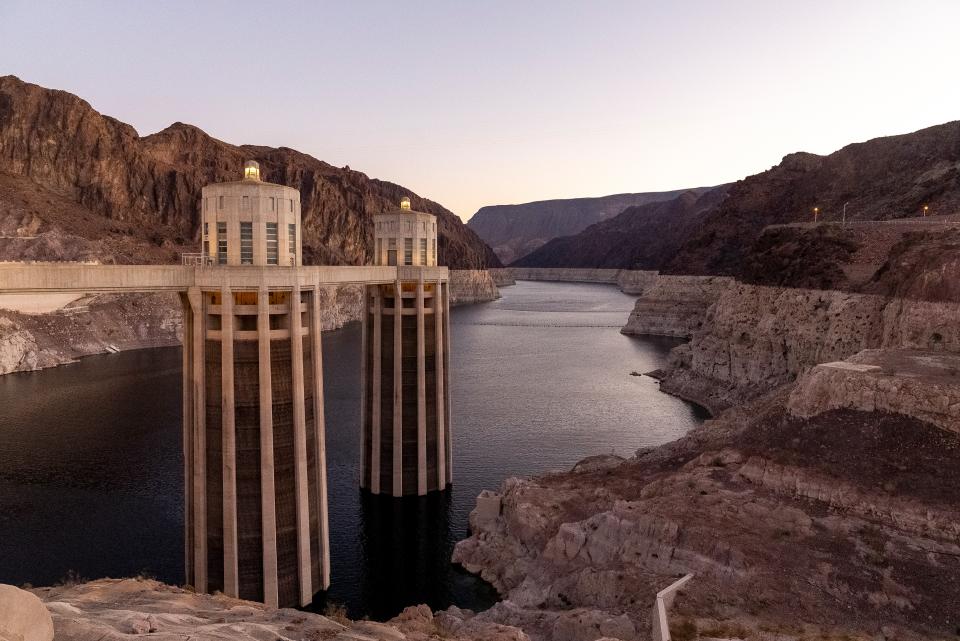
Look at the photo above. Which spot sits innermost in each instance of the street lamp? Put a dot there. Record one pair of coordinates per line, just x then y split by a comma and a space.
816, 214
926, 208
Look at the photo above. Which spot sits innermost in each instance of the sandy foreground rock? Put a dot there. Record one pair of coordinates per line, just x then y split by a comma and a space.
115, 609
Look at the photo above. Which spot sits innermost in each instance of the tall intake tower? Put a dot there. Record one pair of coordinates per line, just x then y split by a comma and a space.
405, 432
254, 450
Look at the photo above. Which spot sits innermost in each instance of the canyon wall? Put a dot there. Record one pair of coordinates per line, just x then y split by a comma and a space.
565, 275
628, 280
748, 339
468, 286
672, 305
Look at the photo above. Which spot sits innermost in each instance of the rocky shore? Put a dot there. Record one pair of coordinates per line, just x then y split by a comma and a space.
819, 503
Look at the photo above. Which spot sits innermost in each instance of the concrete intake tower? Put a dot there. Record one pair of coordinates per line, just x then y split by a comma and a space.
405, 434
256, 499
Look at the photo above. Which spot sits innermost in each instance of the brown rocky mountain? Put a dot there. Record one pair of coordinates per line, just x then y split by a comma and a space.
882, 179
87, 167
517, 230
642, 237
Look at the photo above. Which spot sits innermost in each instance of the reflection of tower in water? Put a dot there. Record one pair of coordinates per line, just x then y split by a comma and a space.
407, 547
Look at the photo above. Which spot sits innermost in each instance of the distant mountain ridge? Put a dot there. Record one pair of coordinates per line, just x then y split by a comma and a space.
719, 232
147, 188
517, 230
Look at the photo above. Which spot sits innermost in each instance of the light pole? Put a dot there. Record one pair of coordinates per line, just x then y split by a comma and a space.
926, 208
816, 214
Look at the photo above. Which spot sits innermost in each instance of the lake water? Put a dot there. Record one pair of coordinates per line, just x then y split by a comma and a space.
91, 477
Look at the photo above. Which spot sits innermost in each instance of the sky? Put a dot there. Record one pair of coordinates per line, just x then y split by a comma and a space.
489, 102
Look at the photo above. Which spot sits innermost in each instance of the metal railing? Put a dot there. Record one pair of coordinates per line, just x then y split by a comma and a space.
197, 259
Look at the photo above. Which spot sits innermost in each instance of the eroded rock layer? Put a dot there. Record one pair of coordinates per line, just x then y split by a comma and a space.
842, 524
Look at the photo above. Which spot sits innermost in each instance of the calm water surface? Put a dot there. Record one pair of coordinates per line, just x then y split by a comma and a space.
91, 477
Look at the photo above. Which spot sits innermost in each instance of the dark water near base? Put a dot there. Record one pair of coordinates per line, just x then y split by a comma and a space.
90, 463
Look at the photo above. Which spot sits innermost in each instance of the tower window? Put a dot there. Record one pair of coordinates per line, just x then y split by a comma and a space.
272, 246
220, 202
246, 242
245, 203
392, 251
206, 229
291, 205
407, 251
378, 259
435, 251
222, 242
292, 238
423, 251
273, 204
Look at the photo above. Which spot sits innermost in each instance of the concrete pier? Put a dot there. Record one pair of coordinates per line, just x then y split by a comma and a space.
405, 433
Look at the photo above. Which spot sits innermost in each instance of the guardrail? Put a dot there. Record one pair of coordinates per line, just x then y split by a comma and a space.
894, 222
195, 259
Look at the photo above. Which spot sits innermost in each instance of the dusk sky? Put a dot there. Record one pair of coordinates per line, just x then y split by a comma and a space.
479, 103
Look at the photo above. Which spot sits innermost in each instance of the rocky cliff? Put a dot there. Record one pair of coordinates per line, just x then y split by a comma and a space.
149, 186
672, 305
468, 286
747, 340
516, 230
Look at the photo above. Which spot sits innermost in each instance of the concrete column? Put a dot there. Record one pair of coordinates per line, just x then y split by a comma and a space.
268, 492
398, 390
446, 380
421, 394
199, 481
300, 449
188, 409
438, 318
364, 374
316, 327
375, 406
231, 581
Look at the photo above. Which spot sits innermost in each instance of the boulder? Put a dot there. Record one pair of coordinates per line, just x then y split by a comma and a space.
23, 617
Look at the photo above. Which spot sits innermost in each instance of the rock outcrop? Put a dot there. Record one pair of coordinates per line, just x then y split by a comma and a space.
922, 385
672, 305
468, 286
839, 526
113, 609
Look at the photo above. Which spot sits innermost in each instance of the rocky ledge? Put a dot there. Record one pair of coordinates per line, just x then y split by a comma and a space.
924, 385
843, 525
